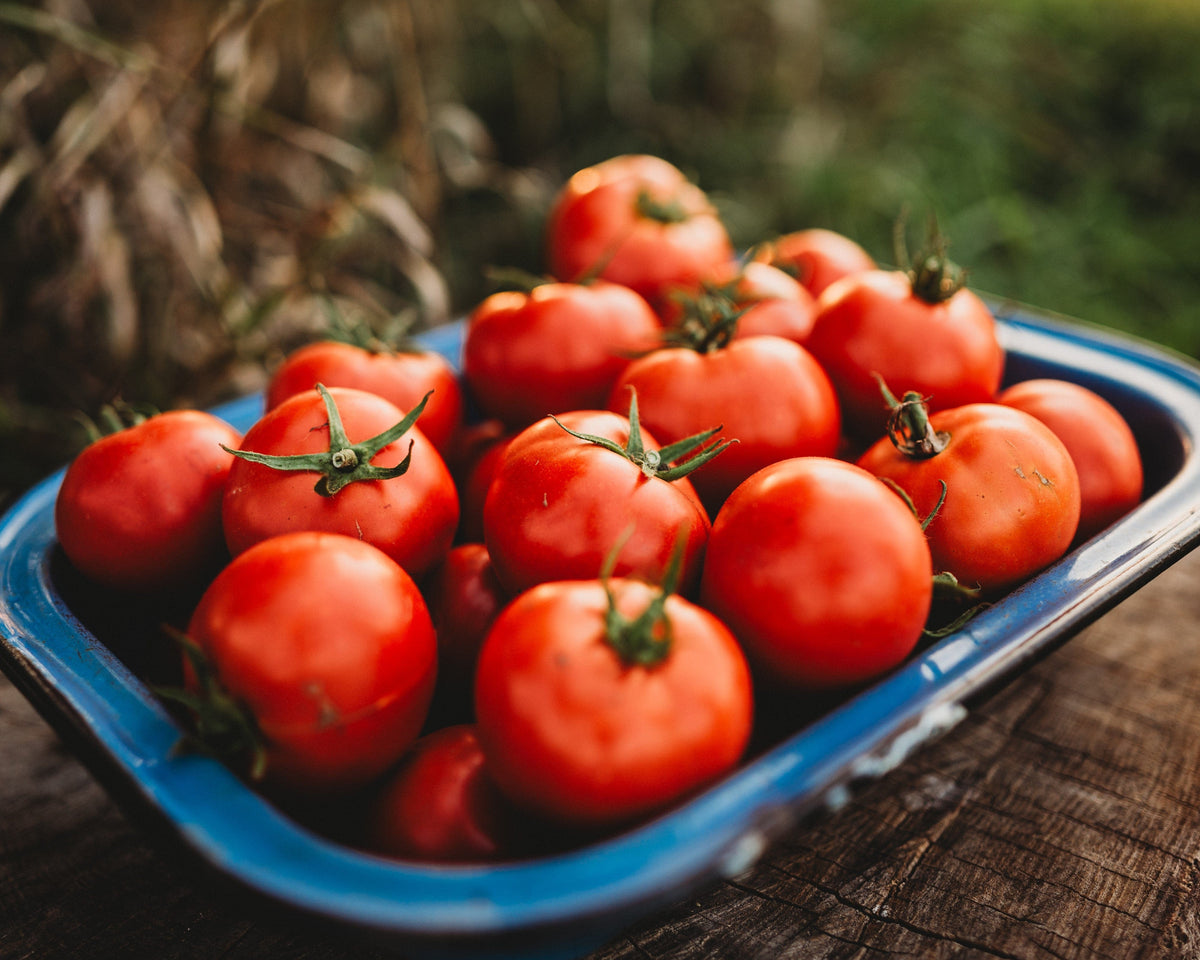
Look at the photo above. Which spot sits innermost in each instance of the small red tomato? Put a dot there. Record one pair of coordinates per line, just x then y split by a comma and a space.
441, 806
1001, 488
473, 486
821, 572
319, 649
570, 490
768, 393
638, 221
923, 332
817, 257
557, 348
401, 376
140, 509
464, 596
766, 299
602, 702
344, 461
1100, 442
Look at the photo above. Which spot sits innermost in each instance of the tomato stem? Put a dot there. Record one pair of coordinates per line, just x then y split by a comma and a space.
646, 639
345, 462
222, 727
909, 427
663, 211
657, 463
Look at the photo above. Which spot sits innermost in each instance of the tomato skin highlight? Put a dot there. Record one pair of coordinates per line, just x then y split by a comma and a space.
1011, 502
817, 257
768, 393
440, 805
1100, 442
558, 505
556, 348
412, 518
572, 733
329, 645
140, 509
595, 227
872, 323
401, 377
821, 572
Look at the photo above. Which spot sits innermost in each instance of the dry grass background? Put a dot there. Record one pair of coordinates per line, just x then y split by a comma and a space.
185, 184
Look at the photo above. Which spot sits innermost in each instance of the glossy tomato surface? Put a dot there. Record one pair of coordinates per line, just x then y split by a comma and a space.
821, 572
767, 393
576, 734
817, 257
1011, 502
1100, 442
441, 805
558, 506
140, 509
412, 517
403, 377
328, 644
635, 220
871, 325
556, 348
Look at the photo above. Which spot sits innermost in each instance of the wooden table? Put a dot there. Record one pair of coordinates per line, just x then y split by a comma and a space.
1061, 819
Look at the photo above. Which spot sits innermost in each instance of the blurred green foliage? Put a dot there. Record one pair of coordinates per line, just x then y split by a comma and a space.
184, 184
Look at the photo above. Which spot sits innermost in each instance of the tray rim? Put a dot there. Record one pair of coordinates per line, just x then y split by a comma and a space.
586, 895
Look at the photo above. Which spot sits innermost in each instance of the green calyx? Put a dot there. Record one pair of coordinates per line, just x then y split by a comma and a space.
709, 319
394, 337
662, 211
935, 278
646, 639
908, 425
657, 463
115, 417
344, 462
221, 726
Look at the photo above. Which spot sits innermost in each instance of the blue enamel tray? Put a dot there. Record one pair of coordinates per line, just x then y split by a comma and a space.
566, 904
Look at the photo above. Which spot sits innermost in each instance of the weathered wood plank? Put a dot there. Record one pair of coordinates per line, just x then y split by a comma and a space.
1058, 820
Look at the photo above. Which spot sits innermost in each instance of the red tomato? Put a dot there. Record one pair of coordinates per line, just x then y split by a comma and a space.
767, 299
140, 509
638, 221
816, 257
556, 348
768, 393
464, 598
586, 735
473, 488
403, 377
1099, 440
874, 323
558, 505
821, 572
1011, 492
411, 517
441, 806
327, 644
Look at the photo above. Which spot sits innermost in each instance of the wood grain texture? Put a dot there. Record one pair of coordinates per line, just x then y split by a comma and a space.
1061, 819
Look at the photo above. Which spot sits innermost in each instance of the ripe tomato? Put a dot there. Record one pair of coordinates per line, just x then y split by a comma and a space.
767, 392
638, 221
1099, 440
140, 509
325, 642
767, 301
559, 504
441, 806
1011, 491
816, 257
595, 708
474, 480
557, 348
821, 572
409, 510
882, 323
464, 597
403, 377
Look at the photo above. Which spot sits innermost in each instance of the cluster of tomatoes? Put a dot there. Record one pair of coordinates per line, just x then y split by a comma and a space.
693, 477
